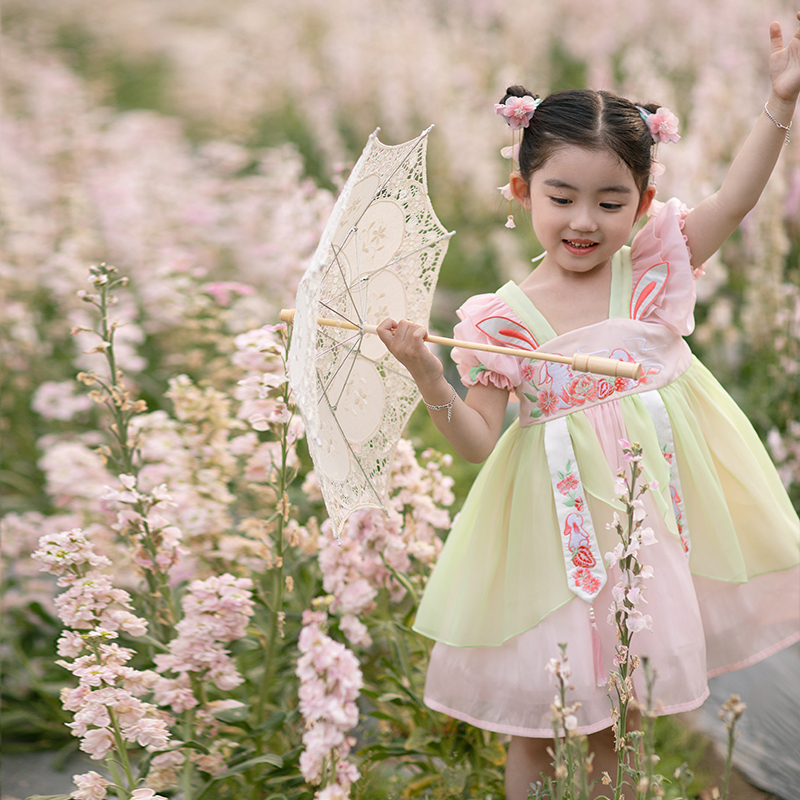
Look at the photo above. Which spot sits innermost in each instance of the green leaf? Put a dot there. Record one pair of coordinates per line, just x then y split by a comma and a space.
536, 412
273, 721
192, 745
48, 797
532, 397
389, 697
418, 739
269, 758
494, 753
237, 714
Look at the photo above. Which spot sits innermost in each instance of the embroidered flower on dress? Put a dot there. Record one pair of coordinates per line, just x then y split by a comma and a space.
585, 580
547, 401
528, 371
567, 483
580, 389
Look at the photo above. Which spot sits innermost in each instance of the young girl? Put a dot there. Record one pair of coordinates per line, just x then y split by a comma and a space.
522, 569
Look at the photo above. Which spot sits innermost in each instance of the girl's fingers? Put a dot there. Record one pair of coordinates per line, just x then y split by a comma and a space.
775, 37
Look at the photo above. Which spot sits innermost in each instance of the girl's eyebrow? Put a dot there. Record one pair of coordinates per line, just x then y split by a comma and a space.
559, 184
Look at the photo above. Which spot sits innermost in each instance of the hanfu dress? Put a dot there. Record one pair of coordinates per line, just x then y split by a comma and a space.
523, 568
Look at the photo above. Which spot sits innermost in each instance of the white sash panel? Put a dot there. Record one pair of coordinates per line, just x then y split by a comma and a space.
586, 574
658, 413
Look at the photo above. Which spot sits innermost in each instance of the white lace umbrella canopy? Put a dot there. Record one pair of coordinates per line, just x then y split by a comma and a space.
379, 257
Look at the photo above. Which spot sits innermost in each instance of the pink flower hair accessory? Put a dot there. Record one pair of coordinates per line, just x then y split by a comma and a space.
518, 111
663, 125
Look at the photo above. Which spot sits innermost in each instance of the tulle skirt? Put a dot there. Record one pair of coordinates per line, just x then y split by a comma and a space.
498, 604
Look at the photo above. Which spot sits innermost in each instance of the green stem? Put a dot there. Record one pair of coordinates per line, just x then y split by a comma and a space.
728, 760
122, 749
266, 678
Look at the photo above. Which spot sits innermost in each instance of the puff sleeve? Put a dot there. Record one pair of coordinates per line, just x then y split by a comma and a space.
487, 319
663, 278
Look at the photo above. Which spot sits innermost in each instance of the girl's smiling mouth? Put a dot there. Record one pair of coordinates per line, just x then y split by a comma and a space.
579, 245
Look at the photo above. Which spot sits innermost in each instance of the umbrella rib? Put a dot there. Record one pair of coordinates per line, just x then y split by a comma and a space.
347, 286
374, 274
345, 360
338, 344
350, 446
391, 175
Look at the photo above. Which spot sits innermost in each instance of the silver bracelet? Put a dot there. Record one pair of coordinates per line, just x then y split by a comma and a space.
443, 406
786, 128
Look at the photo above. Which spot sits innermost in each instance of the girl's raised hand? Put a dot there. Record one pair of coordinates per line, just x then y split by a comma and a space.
406, 342
784, 63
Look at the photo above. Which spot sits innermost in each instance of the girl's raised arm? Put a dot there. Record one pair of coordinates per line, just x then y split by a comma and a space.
718, 216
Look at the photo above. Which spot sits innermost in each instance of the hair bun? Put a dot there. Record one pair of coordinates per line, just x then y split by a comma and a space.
518, 91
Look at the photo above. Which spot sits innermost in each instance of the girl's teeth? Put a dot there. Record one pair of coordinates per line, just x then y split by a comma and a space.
575, 244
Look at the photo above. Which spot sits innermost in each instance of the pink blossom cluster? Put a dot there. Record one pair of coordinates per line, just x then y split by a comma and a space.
563, 716
374, 545
91, 600
628, 592
106, 702
330, 682
156, 540
215, 611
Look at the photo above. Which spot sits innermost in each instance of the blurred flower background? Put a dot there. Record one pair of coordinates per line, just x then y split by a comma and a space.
198, 146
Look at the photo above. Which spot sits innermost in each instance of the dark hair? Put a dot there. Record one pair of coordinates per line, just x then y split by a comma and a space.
596, 120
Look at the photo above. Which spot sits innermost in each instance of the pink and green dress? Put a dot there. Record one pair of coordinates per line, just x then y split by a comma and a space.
523, 567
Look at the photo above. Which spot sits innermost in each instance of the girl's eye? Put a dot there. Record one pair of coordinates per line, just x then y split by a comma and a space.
611, 206
561, 201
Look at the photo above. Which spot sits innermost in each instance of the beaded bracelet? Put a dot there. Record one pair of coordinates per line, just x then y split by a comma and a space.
783, 127
443, 406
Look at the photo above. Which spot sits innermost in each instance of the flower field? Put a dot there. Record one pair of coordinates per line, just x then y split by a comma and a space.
173, 594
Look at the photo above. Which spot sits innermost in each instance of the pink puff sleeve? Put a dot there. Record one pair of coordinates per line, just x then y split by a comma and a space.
663, 278
480, 315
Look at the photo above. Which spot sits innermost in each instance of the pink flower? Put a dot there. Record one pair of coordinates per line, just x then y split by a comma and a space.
517, 110
91, 786
647, 536
150, 733
663, 125
548, 402
567, 483
97, 743
146, 794
586, 581
224, 291
355, 631
635, 621
528, 371
580, 390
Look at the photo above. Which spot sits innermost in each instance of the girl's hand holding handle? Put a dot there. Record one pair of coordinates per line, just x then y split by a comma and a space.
471, 427
406, 342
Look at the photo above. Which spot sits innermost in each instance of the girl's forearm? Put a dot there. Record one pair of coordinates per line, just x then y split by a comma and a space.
754, 163
717, 217
474, 426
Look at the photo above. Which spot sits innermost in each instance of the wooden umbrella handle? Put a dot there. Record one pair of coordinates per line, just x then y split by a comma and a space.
579, 362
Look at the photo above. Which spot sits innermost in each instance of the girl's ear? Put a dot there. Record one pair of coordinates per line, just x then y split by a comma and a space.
644, 203
520, 190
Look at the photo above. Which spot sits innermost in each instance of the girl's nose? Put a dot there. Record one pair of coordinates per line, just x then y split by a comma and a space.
583, 220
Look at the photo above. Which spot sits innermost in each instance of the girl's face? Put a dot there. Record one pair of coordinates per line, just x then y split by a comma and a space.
583, 205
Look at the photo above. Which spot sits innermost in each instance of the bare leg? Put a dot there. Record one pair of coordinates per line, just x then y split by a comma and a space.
528, 759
